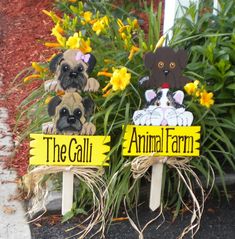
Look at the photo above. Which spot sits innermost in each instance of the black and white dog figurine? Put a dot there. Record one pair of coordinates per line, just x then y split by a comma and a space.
163, 108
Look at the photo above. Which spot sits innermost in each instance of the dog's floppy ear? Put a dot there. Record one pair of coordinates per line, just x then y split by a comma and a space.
88, 106
179, 96
55, 101
182, 58
149, 60
91, 62
150, 94
54, 62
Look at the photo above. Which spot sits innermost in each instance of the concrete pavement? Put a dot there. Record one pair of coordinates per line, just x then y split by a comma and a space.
13, 224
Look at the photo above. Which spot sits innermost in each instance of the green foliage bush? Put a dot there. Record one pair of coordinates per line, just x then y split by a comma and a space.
210, 41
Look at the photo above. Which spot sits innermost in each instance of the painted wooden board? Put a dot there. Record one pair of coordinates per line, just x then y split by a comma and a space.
161, 140
72, 150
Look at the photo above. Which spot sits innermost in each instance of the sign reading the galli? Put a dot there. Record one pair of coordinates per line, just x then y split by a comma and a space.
162, 140
72, 150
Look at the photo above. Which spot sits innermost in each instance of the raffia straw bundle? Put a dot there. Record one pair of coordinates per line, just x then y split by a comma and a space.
139, 167
92, 176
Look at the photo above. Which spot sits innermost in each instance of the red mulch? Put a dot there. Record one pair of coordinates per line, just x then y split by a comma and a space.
23, 29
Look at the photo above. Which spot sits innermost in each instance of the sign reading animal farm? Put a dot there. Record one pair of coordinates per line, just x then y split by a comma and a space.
62, 150
162, 140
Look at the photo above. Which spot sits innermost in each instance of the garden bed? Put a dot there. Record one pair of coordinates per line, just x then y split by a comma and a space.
119, 39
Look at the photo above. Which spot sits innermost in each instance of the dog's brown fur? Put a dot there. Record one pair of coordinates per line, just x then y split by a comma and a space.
69, 57
165, 66
72, 101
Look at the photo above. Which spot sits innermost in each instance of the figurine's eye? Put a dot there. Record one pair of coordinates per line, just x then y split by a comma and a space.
157, 103
80, 68
77, 113
172, 65
160, 64
64, 112
65, 68
168, 103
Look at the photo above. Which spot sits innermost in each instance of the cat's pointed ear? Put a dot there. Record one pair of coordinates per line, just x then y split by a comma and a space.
149, 95
179, 96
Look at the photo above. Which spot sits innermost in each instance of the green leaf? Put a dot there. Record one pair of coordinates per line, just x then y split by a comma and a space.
231, 86
67, 216
80, 211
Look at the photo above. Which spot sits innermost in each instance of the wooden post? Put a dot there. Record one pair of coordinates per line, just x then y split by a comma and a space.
169, 17
216, 7
172, 11
67, 192
156, 186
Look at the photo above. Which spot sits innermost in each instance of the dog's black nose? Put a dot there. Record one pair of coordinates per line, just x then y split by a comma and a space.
71, 119
165, 72
73, 74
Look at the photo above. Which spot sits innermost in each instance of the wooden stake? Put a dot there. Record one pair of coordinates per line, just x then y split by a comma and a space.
67, 192
156, 186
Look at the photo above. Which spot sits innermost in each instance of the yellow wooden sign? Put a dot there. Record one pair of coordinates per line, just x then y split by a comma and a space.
162, 140
63, 150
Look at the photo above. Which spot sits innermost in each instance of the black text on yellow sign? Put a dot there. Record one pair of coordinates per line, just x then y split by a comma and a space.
63, 150
162, 140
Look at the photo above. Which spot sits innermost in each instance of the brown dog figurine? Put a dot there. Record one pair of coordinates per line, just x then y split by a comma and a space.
70, 114
71, 70
165, 66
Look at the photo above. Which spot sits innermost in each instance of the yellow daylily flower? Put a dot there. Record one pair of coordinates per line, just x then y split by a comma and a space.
122, 26
87, 16
60, 39
197, 93
104, 73
77, 42
122, 29
133, 50
100, 25
28, 78
52, 15
191, 88
48, 99
106, 88
123, 36
120, 23
206, 99
52, 44
37, 67
51, 57
58, 28
127, 32
73, 42
120, 79
107, 93
85, 46
133, 23
160, 42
